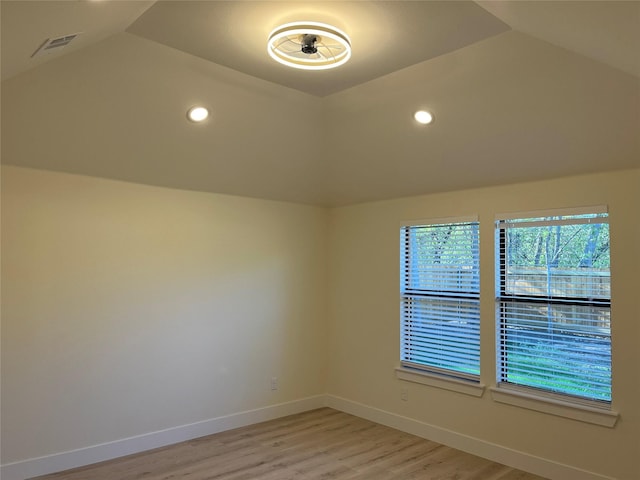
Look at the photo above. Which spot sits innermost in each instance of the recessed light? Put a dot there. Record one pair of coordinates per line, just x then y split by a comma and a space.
197, 114
423, 117
309, 46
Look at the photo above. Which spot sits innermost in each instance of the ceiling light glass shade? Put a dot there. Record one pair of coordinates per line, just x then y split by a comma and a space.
197, 114
423, 117
309, 46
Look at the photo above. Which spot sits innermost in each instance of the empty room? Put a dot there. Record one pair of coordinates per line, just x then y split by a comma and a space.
350, 240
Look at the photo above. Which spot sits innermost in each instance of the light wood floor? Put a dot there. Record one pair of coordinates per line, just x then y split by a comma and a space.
317, 445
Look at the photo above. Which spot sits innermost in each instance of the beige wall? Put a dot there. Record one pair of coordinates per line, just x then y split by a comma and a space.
129, 309
364, 321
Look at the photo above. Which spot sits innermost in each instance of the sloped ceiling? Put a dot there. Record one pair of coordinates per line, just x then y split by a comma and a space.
519, 90
386, 36
605, 31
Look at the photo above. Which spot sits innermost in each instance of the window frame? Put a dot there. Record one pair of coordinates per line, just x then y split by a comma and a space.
424, 373
531, 396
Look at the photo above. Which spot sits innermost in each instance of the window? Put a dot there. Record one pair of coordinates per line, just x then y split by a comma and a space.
440, 298
553, 304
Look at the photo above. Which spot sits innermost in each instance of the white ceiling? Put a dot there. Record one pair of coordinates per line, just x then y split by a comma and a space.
26, 25
520, 91
386, 36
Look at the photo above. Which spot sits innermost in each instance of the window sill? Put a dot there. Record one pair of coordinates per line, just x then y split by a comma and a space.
440, 381
582, 413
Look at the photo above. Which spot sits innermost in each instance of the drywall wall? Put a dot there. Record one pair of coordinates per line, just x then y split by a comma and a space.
130, 309
364, 322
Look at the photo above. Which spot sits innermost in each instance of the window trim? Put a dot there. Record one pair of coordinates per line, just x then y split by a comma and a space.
553, 212
439, 380
424, 374
547, 401
510, 394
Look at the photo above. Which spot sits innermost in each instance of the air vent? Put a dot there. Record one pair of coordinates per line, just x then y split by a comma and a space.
54, 44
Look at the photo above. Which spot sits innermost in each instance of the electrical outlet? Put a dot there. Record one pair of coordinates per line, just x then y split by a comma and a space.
274, 383
404, 394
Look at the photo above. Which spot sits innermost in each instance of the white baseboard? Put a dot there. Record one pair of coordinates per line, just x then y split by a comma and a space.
497, 453
98, 453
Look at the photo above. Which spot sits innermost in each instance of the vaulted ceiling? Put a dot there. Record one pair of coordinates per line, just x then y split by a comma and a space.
519, 90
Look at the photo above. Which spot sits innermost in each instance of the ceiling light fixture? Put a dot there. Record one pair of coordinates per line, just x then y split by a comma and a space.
197, 114
423, 117
309, 46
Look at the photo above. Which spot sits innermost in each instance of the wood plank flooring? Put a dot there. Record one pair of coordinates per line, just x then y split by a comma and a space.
321, 444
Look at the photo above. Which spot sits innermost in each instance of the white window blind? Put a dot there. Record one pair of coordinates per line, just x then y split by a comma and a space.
440, 298
554, 301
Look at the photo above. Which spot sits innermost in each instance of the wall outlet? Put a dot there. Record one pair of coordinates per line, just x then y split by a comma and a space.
274, 383
404, 394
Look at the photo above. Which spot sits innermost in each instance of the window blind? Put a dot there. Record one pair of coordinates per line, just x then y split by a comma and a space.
440, 290
554, 300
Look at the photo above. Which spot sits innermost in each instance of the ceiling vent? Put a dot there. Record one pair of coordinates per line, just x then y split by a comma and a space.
54, 44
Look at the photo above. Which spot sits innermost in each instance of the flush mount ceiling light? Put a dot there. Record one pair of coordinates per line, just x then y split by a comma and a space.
309, 46
197, 114
423, 117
